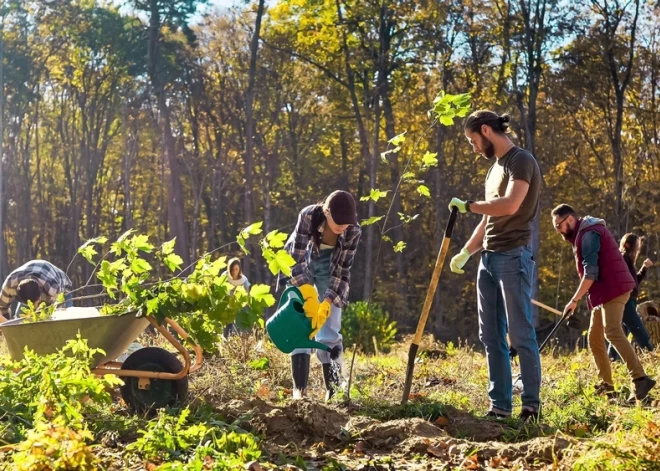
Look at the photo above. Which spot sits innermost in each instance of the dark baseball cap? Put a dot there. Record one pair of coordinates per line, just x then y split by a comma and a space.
342, 208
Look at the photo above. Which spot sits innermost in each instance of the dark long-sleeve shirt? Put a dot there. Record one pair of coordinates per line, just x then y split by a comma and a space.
638, 276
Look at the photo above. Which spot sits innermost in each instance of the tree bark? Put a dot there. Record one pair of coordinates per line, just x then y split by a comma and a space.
175, 208
249, 125
4, 269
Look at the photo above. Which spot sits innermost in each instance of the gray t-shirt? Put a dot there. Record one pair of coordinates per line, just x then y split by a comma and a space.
508, 232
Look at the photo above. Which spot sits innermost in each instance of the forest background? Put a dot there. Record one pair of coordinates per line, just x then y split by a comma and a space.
146, 114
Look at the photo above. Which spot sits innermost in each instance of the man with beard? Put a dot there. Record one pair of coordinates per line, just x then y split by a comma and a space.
504, 280
607, 282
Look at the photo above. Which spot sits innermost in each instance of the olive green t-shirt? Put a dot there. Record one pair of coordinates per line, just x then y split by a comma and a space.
508, 232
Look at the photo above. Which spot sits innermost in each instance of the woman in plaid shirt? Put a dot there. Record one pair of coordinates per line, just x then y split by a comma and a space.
323, 245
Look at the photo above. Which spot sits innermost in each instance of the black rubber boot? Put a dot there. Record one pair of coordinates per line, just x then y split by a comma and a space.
331, 373
300, 373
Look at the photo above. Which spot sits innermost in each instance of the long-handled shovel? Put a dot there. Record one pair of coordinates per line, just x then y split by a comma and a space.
414, 346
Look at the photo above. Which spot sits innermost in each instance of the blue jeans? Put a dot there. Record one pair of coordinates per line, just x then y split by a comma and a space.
632, 323
329, 333
504, 292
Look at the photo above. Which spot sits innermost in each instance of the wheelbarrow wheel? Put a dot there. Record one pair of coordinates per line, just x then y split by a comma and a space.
161, 392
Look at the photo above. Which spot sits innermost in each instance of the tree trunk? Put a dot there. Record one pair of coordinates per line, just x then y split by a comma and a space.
4, 269
249, 125
365, 153
175, 208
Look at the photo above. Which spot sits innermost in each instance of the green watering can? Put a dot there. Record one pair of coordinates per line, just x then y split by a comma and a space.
289, 328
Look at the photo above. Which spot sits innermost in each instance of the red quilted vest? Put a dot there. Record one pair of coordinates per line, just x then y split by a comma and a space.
614, 277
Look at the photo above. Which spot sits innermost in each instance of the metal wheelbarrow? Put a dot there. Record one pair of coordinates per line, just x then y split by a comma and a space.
153, 377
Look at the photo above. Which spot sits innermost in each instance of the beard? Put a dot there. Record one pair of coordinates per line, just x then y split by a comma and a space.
488, 150
568, 234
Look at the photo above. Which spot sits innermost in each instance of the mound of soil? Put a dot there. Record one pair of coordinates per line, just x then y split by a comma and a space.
464, 441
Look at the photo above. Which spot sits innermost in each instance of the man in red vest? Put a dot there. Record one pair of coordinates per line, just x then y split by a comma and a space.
607, 282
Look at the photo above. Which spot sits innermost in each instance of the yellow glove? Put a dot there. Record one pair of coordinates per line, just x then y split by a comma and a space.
310, 300
320, 317
458, 261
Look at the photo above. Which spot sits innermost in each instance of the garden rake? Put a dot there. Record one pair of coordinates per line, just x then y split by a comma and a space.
562, 319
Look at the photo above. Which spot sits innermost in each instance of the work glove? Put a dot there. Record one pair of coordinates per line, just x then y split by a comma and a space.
320, 317
458, 261
310, 300
459, 204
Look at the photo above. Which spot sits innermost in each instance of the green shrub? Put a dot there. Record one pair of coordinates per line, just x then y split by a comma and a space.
362, 322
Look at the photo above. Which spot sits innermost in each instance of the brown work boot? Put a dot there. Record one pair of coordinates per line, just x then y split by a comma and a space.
641, 388
605, 389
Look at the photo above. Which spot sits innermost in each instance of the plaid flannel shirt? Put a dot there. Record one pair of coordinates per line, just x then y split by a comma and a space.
302, 248
52, 280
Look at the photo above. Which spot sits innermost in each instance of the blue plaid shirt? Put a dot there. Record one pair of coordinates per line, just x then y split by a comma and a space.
51, 279
303, 249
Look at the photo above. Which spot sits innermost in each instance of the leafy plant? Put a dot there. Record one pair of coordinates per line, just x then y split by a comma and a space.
216, 446
203, 303
362, 322
54, 388
446, 107
51, 447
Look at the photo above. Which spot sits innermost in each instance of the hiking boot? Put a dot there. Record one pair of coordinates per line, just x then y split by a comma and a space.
331, 373
641, 388
300, 374
529, 415
605, 389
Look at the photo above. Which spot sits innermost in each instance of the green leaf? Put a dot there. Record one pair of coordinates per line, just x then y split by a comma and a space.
276, 239
140, 265
262, 293
399, 246
253, 229
408, 176
141, 242
173, 262
398, 139
260, 364
371, 220
168, 247
152, 306
424, 191
430, 159
375, 195
386, 238
88, 252
446, 121
282, 262
259, 291
192, 291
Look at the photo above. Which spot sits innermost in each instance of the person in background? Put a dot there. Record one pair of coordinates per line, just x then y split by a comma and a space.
323, 244
38, 281
607, 283
630, 246
236, 278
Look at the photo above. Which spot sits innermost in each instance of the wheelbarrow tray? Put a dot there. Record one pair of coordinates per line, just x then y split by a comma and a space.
112, 334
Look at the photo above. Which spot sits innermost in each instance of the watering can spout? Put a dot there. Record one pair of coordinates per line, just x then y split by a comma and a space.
289, 328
